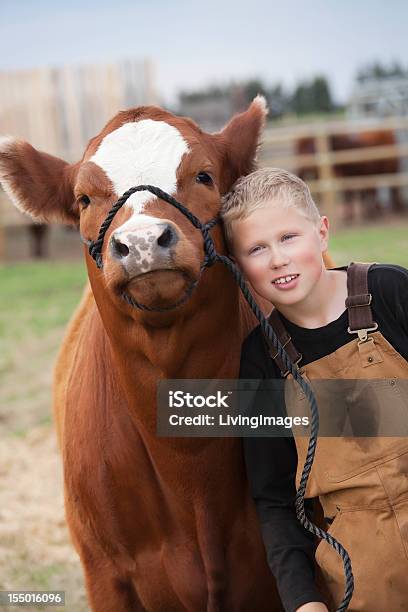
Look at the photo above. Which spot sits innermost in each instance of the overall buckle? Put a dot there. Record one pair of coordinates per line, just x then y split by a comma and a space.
284, 374
362, 333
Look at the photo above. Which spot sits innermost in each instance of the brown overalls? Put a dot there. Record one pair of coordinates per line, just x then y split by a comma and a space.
362, 482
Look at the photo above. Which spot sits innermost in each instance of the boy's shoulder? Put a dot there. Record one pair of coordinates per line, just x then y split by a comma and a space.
384, 278
388, 268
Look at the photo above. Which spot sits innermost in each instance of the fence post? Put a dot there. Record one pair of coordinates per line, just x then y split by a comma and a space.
326, 175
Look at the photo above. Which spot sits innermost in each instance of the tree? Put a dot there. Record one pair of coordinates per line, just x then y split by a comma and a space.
322, 99
312, 97
278, 101
376, 70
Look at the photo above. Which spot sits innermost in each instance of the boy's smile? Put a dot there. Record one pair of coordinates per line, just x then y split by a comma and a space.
280, 252
285, 282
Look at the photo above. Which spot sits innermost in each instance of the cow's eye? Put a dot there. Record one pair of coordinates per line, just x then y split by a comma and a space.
204, 178
85, 200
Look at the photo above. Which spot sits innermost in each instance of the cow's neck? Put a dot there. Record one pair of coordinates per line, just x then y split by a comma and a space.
204, 343
201, 342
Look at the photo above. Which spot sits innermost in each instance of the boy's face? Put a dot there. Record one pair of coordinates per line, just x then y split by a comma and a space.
278, 242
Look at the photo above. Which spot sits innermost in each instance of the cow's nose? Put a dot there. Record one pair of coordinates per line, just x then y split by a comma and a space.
151, 244
119, 249
168, 237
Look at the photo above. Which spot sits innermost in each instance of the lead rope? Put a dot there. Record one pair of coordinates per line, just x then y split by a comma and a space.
211, 257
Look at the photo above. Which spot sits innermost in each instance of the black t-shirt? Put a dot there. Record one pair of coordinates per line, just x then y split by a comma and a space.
272, 462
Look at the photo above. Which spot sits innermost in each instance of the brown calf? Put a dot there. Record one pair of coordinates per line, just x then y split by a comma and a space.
160, 524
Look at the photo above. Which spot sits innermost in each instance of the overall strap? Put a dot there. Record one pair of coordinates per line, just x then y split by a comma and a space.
286, 341
358, 302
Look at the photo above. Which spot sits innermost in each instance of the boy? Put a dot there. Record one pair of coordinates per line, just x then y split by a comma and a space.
277, 237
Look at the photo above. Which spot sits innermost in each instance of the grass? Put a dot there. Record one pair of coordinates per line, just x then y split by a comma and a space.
39, 296
39, 300
41, 576
383, 244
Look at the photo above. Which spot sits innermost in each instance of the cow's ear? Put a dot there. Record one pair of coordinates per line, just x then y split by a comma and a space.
240, 140
37, 183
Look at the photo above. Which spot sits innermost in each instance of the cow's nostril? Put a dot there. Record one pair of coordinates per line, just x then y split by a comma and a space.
119, 248
167, 238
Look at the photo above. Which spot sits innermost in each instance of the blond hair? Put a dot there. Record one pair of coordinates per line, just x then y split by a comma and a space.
260, 188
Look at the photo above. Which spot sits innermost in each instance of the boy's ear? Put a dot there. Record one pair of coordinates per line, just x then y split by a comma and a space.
324, 231
37, 183
240, 140
324, 237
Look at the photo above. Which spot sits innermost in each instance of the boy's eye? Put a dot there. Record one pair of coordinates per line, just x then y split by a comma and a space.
254, 250
287, 236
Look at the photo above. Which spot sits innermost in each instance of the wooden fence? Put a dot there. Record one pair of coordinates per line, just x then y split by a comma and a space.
58, 110
279, 150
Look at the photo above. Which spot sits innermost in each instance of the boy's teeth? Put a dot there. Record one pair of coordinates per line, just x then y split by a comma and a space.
285, 279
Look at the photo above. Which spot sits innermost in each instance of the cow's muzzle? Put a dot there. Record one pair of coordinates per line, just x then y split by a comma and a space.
145, 249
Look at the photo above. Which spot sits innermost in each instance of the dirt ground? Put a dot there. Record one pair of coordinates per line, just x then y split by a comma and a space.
35, 549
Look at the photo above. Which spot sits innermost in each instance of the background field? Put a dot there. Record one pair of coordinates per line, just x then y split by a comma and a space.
37, 301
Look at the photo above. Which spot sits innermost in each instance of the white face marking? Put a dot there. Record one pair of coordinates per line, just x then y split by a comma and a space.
142, 152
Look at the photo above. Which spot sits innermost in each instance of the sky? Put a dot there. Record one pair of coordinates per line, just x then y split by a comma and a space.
195, 44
